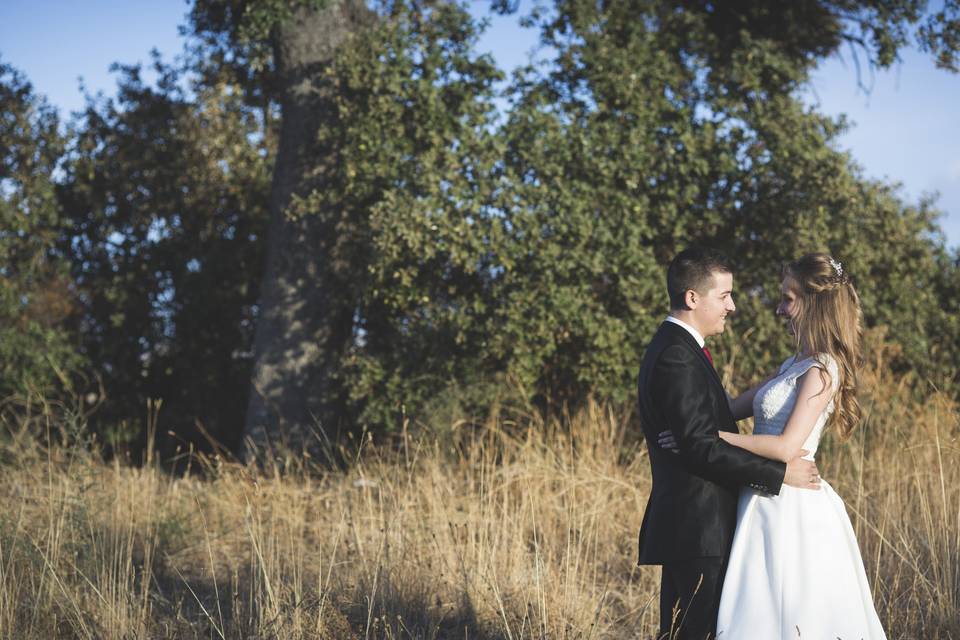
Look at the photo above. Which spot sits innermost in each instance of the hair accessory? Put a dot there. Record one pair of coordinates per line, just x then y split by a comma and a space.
837, 267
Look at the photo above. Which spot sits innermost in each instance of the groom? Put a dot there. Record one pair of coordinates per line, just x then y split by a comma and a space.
691, 514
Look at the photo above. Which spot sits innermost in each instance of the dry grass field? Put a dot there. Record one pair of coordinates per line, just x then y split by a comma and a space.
518, 529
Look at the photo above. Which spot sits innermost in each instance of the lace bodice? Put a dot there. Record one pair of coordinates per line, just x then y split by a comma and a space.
774, 402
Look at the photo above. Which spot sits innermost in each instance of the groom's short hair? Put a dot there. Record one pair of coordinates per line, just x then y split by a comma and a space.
693, 268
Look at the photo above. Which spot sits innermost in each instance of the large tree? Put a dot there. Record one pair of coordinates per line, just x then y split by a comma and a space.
410, 253
414, 188
305, 313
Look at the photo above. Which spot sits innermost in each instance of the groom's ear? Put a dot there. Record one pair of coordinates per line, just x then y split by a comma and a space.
690, 298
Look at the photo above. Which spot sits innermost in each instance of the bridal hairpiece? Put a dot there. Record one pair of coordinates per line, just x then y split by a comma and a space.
837, 267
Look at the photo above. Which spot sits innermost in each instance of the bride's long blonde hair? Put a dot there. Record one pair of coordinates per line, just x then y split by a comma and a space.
828, 320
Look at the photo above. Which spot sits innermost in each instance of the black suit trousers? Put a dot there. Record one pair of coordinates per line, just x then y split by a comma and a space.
690, 598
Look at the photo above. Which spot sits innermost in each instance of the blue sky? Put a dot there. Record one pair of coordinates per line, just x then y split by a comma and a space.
906, 129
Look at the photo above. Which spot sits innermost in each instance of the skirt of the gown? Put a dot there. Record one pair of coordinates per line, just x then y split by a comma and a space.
795, 571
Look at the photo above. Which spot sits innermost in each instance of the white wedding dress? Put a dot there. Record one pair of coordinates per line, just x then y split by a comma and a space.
795, 569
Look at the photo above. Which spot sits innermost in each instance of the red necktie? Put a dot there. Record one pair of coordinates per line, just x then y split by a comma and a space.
706, 352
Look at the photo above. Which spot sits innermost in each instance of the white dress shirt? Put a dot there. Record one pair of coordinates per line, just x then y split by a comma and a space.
696, 334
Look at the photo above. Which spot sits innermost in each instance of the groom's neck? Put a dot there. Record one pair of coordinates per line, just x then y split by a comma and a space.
687, 317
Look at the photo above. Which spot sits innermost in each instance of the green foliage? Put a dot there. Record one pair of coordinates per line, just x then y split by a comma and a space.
36, 294
246, 22
240, 34
533, 252
480, 255
940, 35
166, 195
408, 202
654, 130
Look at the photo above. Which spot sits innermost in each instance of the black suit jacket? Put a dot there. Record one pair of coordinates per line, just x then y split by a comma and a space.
692, 508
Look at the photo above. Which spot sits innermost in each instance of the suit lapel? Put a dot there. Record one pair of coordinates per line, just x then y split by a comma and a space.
684, 335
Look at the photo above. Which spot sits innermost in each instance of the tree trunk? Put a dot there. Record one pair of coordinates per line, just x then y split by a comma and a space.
303, 324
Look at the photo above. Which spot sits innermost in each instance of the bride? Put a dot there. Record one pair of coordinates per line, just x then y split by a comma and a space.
795, 569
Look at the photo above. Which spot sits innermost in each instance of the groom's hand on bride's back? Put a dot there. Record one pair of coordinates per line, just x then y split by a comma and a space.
802, 474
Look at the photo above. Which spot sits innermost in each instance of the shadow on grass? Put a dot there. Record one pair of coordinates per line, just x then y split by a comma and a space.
193, 606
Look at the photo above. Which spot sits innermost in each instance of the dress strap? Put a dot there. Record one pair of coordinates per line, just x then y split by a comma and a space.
821, 361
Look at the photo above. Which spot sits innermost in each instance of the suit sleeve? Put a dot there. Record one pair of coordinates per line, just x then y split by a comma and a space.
678, 385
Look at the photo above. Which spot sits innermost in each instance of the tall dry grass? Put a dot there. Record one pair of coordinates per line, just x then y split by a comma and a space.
513, 530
